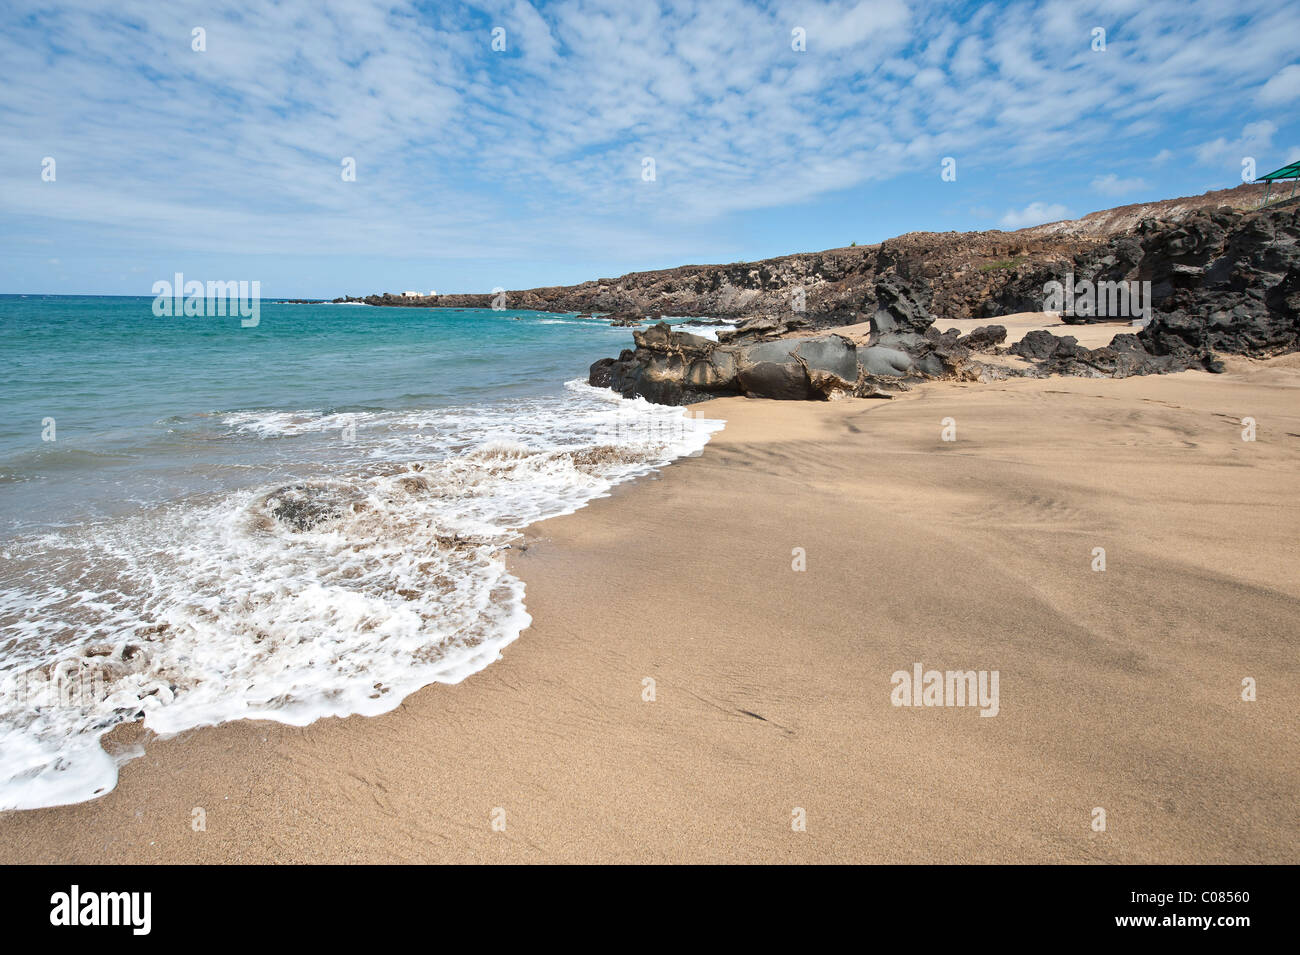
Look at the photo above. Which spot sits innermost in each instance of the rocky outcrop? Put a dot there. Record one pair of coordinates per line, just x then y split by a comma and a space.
1038, 345
1126, 355
672, 367
798, 368
1222, 281
1226, 282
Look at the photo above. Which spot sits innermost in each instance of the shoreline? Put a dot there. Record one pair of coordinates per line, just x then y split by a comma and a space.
1118, 689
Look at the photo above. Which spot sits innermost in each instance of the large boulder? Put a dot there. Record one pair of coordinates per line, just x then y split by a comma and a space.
673, 367
668, 367
1037, 345
601, 373
715, 372
798, 368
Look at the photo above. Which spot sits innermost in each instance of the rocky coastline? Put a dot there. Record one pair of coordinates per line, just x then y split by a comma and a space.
970, 274
1213, 275
1218, 282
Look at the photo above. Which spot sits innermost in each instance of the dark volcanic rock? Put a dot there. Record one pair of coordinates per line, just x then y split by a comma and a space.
984, 338
899, 324
1126, 355
666, 367
1036, 345
904, 328
672, 367
1221, 280
902, 313
601, 373
881, 361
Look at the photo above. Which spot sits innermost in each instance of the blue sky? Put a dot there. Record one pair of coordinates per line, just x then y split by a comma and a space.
478, 168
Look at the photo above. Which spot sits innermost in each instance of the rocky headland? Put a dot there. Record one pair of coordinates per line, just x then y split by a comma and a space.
1211, 275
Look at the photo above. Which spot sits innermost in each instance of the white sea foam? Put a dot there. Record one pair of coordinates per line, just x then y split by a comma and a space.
709, 331
329, 595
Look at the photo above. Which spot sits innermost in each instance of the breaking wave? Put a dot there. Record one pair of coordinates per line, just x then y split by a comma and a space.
337, 591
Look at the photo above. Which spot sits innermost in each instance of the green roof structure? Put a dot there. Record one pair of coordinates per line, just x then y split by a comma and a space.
1289, 171
1286, 172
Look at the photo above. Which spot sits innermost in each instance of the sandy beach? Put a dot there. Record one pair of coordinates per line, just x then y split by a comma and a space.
1018, 325
1119, 689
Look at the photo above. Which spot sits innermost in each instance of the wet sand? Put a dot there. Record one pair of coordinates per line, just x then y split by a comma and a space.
1119, 689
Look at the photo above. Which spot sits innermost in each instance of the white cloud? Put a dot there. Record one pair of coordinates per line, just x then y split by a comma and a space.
839, 25
1112, 185
1282, 88
463, 152
1255, 140
1036, 213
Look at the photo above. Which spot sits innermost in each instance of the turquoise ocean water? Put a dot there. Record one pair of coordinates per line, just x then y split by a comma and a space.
201, 521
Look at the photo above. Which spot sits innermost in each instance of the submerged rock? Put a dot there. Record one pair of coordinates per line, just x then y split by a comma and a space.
304, 507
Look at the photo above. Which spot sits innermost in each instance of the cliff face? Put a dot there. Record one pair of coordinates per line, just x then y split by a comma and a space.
968, 274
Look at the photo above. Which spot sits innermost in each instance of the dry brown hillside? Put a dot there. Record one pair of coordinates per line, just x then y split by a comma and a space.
971, 274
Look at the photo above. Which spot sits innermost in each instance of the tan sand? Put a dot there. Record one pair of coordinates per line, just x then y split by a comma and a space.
1095, 335
1118, 689
1020, 324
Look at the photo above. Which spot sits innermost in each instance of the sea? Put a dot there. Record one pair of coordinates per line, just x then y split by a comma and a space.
204, 519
